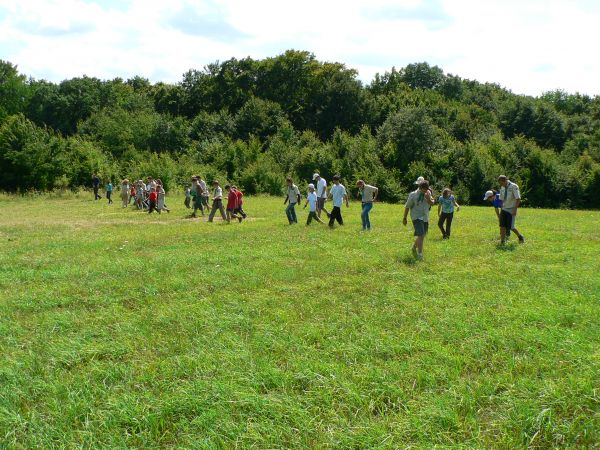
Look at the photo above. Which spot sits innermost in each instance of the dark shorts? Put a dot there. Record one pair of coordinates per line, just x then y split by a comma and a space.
421, 227
321, 202
507, 220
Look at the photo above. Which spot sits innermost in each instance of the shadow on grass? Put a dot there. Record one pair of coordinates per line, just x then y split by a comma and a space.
408, 260
510, 247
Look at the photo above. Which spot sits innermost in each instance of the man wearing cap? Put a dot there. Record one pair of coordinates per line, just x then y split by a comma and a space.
321, 193
511, 200
419, 203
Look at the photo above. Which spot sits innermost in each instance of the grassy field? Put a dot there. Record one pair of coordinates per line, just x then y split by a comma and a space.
120, 329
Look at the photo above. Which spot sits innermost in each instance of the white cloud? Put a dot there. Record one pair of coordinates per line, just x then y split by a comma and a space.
529, 47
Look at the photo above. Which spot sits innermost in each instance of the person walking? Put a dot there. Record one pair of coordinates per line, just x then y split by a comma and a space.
446, 205
293, 197
240, 202
232, 201
152, 198
311, 199
494, 198
109, 189
125, 192
96, 186
418, 204
321, 191
511, 201
160, 202
368, 195
217, 203
339, 195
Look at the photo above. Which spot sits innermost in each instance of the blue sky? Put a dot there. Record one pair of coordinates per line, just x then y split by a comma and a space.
528, 46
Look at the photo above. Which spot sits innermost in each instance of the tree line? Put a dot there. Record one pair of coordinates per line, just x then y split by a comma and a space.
254, 122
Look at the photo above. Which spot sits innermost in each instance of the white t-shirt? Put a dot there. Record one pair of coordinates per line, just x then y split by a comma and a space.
312, 201
322, 188
218, 194
337, 193
293, 193
368, 192
419, 208
509, 196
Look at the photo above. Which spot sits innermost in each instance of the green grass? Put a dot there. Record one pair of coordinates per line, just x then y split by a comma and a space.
120, 329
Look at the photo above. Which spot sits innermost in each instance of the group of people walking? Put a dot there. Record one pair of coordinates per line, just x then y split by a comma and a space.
197, 197
150, 196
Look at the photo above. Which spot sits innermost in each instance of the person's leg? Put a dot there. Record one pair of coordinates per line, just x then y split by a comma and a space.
222, 210
441, 224
339, 218
449, 218
309, 218
367, 209
316, 217
332, 216
288, 213
213, 211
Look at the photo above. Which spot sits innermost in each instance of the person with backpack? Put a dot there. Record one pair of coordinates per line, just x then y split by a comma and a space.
511, 201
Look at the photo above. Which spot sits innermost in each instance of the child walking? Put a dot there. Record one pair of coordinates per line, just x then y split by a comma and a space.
312, 200
152, 197
232, 200
109, 189
446, 204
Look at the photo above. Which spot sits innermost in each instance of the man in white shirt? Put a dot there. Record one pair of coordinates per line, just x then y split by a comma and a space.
338, 194
419, 203
217, 203
368, 196
321, 193
293, 196
511, 201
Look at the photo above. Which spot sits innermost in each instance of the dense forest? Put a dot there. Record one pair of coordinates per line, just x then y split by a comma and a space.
254, 122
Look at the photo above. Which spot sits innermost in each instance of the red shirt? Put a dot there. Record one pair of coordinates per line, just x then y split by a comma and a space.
239, 198
152, 196
231, 200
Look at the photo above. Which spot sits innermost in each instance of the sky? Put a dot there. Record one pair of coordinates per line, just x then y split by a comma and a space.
527, 46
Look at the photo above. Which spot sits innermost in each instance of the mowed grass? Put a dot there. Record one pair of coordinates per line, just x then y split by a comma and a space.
123, 329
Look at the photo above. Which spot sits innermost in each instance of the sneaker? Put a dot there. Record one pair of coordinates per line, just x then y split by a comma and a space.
240, 219
420, 256
521, 239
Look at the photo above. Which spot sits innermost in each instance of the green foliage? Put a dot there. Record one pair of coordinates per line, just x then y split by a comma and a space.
292, 114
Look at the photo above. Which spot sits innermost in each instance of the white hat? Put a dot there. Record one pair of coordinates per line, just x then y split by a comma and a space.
419, 180
311, 186
315, 176
488, 194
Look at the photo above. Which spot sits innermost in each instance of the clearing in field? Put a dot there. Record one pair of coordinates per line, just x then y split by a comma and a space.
120, 329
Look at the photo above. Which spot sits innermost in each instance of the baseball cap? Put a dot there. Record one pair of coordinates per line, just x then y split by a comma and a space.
419, 180
488, 194
311, 186
315, 175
